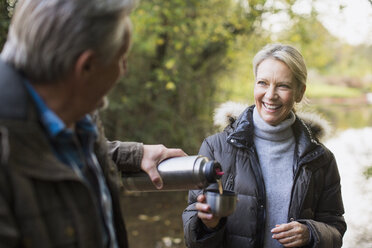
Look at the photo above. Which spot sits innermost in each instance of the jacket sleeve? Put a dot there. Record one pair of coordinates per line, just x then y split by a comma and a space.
126, 155
196, 234
329, 226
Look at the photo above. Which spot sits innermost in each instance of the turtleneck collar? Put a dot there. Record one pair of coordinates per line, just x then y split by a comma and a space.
280, 132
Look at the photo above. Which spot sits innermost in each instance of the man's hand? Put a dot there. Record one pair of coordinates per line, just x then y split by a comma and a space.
152, 156
293, 234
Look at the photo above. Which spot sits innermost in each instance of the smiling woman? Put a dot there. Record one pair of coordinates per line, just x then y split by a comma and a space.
285, 179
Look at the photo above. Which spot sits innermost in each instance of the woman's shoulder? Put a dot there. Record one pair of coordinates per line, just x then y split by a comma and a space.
313, 130
216, 138
318, 126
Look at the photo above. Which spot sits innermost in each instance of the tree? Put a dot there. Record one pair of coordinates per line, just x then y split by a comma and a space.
181, 51
6, 10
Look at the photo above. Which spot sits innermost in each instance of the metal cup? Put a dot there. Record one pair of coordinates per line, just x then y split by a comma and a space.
221, 205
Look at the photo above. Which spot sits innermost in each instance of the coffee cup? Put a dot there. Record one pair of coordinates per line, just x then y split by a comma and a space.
221, 205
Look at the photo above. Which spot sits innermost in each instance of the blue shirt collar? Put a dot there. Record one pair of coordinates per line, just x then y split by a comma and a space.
52, 123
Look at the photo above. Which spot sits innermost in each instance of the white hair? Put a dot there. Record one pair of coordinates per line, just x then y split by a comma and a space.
47, 36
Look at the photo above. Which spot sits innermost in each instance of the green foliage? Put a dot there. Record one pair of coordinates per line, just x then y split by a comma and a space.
189, 56
6, 11
4, 21
180, 50
237, 83
317, 90
313, 40
324, 52
368, 172
352, 61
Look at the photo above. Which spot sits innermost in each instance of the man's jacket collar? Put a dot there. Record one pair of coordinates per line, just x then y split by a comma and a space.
29, 149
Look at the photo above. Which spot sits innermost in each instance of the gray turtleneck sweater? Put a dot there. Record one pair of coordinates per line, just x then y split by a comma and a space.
275, 148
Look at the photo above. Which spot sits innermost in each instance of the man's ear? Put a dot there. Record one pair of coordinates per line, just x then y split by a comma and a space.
300, 94
85, 64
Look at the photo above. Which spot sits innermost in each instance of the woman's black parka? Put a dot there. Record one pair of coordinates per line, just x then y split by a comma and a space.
315, 198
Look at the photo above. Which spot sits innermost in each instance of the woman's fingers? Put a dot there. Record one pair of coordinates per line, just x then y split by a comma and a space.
204, 213
292, 234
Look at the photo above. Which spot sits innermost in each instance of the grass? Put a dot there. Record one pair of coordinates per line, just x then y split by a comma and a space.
317, 90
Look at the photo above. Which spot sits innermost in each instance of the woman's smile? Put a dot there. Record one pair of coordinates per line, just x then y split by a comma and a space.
271, 107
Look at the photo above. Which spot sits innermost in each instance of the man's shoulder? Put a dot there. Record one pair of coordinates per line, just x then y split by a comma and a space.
13, 95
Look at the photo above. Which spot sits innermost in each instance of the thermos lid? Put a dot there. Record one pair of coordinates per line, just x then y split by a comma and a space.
213, 171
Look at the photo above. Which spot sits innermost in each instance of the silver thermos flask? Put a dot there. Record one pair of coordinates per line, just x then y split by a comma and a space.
178, 174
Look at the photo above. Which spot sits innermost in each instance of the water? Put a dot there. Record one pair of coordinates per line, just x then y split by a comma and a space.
353, 151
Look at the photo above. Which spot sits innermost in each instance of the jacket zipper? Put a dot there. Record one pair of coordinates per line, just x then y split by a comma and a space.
262, 203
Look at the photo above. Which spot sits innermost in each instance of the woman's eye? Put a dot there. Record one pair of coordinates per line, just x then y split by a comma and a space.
285, 86
261, 82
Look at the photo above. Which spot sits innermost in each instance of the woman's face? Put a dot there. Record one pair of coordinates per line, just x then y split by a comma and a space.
275, 91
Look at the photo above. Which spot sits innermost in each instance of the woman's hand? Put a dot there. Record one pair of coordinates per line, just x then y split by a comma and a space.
204, 213
293, 234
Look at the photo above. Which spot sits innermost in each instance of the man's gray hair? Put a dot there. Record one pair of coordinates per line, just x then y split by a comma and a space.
47, 36
288, 55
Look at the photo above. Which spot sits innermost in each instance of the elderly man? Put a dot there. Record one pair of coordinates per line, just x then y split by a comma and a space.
58, 184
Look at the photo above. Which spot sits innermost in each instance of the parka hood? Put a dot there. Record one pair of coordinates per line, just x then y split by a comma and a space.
227, 113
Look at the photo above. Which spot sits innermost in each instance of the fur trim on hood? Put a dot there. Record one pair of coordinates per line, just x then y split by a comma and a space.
228, 112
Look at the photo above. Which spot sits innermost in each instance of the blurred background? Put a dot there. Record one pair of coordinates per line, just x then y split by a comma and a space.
188, 57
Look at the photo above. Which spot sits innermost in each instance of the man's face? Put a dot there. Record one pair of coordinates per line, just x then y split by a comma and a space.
105, 75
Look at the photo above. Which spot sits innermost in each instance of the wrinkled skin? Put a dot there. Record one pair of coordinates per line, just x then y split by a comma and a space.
293, 234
